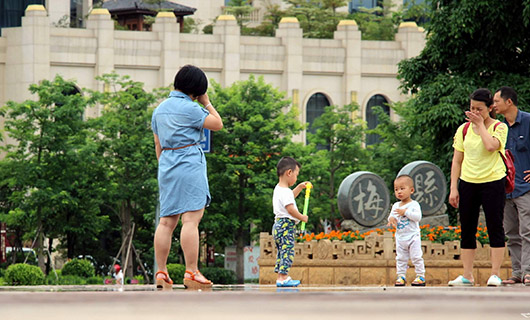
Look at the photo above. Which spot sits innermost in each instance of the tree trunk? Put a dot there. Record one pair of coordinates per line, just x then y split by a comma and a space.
126, 223
240, 242
40, 242
48, 260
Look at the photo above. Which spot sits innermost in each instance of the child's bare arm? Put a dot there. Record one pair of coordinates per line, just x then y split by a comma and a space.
392, 221
299, 187
295, 213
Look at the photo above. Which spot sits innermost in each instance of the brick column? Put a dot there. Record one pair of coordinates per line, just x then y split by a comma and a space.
103, 26
412, 39
169, 35
290, 33
349, 33
228, 29
28, 53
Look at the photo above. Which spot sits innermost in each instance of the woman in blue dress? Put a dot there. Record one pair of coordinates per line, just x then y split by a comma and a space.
178, 124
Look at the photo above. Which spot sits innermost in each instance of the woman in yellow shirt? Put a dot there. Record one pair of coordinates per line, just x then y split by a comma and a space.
477, 179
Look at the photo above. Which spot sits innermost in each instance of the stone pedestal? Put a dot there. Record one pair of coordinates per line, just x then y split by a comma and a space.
372, 262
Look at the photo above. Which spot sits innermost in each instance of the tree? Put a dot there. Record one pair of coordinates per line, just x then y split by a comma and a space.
242, 168
44, 175
379, 23
240, 9
333, 4
127, 147
464, 51
315, 21
340, 137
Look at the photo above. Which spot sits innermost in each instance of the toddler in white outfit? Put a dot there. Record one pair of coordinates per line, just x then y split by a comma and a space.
405, 216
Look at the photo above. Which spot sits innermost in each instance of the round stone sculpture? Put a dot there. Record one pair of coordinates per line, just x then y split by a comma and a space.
430, 185
363, 196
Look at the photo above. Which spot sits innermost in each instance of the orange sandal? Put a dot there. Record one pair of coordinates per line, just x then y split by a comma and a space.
191, 283
163, 283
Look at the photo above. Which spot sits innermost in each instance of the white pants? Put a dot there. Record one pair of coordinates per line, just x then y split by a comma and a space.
406, 249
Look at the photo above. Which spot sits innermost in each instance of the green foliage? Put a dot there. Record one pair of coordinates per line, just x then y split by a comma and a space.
191, 25
334, 152
219, 275
463, 52
240, 9
379, 23
176, 272
95, 280
43, 178
78, 267
242, 166
140, 279
126, 147
208, 29
21, 274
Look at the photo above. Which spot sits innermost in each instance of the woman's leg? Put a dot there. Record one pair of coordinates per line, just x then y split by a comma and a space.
469, 207
493, 198
497, 255
468, 255
163, 235
189, 239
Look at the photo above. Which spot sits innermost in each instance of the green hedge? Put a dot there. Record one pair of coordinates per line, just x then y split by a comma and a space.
78, 267
219, 275
21, 274
176, 272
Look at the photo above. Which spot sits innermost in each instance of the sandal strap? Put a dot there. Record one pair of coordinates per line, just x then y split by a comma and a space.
193, 274
166, 278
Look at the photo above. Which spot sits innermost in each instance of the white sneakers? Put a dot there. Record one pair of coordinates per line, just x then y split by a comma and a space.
494, 281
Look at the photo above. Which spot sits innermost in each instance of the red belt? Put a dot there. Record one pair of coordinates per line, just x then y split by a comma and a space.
188, 145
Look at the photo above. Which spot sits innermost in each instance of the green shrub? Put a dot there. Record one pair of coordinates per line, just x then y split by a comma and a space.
95, 280
2, 272
71, 280
219, 275
2, 282
21, 274
176, 272
78, 267
140, 279
51, 279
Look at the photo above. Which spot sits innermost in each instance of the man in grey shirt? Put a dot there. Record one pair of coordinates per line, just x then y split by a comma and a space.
517, 205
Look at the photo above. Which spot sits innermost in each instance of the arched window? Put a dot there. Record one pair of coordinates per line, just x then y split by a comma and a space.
314, 109
371, 116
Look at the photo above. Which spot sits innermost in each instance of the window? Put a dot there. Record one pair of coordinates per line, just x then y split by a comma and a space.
11, 12
314, 109
371, 117
355, 5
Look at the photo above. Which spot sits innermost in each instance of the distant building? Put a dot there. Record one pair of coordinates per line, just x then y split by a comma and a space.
314, 73
132, 13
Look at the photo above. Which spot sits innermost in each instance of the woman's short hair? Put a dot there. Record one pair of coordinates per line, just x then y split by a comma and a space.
483, 95
191, 80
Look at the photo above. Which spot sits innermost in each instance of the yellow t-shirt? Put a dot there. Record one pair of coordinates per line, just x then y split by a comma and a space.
480, 165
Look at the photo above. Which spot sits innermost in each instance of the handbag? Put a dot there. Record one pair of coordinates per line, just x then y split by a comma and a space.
507, 158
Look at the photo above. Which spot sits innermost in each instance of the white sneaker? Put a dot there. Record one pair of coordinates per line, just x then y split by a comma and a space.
494, 281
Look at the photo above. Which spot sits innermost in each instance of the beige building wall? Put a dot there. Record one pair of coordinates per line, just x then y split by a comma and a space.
342, 68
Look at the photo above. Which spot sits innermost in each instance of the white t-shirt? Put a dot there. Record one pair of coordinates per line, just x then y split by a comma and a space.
407, 225
280, 199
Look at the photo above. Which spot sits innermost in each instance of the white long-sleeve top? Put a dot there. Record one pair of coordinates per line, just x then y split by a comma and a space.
407, 225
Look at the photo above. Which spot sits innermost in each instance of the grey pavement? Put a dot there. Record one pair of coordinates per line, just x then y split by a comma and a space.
263, 302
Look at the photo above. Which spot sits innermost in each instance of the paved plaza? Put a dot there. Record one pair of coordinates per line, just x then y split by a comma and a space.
263, 302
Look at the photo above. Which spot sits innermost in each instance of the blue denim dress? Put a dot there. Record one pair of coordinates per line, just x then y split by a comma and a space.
182, 176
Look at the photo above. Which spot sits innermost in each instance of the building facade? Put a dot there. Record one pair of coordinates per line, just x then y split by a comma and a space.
312, 72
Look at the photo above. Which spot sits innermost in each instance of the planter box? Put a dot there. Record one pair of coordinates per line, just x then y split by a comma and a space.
372, 262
